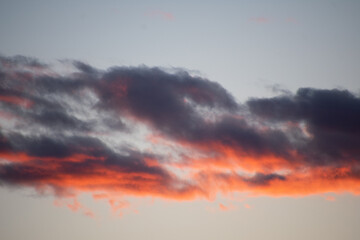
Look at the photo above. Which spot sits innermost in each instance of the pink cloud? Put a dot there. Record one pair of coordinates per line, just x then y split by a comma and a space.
74, 205
228, 207
291, 20
223, 207
264, 20
160, 14
247, 206
260, 20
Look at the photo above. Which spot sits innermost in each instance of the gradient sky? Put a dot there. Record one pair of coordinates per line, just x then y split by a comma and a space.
179, 119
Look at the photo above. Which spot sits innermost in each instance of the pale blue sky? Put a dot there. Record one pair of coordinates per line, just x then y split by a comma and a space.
301, 43
247, 46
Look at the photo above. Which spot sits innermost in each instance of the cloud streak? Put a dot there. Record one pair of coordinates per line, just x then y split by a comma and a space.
161, 14
139, 131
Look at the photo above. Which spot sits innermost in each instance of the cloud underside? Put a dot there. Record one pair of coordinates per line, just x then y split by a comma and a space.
139, 131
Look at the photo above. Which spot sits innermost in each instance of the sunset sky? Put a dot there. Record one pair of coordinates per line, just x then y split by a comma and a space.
180, 119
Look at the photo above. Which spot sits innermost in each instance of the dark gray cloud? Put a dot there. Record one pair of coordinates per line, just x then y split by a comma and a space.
21, 61
261, 179
81, 130
331, 110
165, 101
331, 118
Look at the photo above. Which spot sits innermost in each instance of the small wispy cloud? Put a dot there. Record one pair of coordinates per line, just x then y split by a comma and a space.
266, 20
160, 14
291, 20
260, 19
247, 206
330, 198
227, 207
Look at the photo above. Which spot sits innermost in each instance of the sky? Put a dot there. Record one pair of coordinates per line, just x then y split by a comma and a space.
179, 120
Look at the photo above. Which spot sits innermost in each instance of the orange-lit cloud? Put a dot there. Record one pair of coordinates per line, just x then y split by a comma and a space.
74, 205
227, 207
247, 206
330, 198
128, 132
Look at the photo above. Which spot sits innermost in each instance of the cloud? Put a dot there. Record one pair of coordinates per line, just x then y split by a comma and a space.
161, 14
225, 208
291, 20
266, 20
261, 20
330, 119
330, 198
74, 205
139, 131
